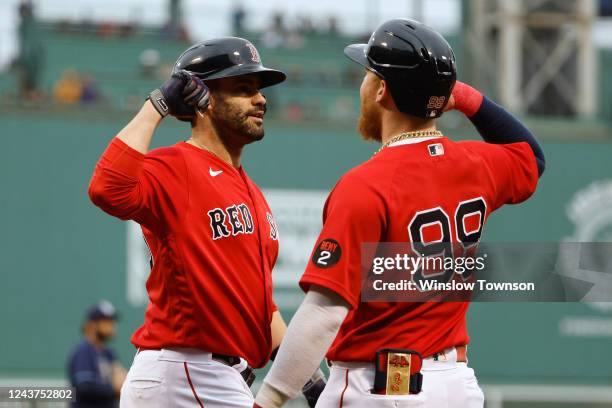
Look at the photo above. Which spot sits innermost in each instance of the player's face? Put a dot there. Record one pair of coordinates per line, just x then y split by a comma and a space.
370, 123
106, 329
238, 108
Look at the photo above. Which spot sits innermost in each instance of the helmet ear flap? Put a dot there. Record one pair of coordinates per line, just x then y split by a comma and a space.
445, 66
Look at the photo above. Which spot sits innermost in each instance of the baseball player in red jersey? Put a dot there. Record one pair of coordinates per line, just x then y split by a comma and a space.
211, 233
420, 188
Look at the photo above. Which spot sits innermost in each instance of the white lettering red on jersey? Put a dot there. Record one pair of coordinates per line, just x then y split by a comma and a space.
213, 242
376, 201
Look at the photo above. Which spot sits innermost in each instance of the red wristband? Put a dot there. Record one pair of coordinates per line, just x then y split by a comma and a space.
467, 99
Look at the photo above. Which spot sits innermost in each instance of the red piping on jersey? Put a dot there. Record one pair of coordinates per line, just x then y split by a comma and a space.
344, 390
191, 385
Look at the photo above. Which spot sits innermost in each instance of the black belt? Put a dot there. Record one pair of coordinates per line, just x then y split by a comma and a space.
247, 374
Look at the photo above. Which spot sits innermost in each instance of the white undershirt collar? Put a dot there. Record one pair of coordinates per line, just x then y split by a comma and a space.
412, 141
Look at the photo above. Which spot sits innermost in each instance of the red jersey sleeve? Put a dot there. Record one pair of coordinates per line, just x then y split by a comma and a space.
354, 214
149, 189
513, 169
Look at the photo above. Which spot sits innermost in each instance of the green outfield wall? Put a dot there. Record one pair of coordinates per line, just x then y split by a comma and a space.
59, 254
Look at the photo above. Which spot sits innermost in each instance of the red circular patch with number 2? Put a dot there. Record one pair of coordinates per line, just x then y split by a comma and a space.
327, 254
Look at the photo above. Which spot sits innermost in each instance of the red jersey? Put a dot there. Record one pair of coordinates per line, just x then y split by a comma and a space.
213, 242
396, 197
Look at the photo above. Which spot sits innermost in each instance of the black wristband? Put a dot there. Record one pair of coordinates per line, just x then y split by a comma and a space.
159, 103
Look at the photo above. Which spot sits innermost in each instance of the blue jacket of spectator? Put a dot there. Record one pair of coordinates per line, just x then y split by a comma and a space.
90, 371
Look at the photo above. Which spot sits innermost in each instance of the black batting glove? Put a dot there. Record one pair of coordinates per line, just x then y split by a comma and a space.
314, 387
180, 96
195, 94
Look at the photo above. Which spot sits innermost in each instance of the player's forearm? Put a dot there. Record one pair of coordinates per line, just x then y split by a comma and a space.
308, 337
118, 376
114, 186
139, 132
493, 122
278, 328
496, 125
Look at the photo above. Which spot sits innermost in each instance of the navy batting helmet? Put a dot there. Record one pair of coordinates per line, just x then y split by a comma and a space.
416, 62
226, 57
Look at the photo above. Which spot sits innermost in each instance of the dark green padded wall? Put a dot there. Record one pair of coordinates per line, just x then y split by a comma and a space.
59, 252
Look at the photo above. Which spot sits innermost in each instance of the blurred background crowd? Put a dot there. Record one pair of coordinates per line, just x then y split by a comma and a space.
87, 61
536, 64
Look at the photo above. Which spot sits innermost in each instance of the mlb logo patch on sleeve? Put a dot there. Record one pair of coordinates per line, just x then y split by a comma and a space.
436, 149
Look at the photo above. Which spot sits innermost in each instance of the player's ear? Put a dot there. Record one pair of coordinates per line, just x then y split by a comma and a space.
213, 90
382, 91
384, 97
211, 102
200, 114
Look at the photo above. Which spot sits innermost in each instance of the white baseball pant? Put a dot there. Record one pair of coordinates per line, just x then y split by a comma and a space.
183, 378
446, 383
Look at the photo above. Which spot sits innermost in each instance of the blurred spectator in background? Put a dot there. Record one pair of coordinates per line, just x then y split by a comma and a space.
149, 61
128, 29
294, 40
86, 25
305, 25
174, 28
294, 75
605, 8
29, 62
175, 15
292, 112
89, 90
108, 29
274, 35
344, 108
68, 88
238, 16
351, 76
332, 26
93, 368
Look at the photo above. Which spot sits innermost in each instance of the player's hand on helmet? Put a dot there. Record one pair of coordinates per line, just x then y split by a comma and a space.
196, 93
180, 96
465, 99
450, 104
456, 95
